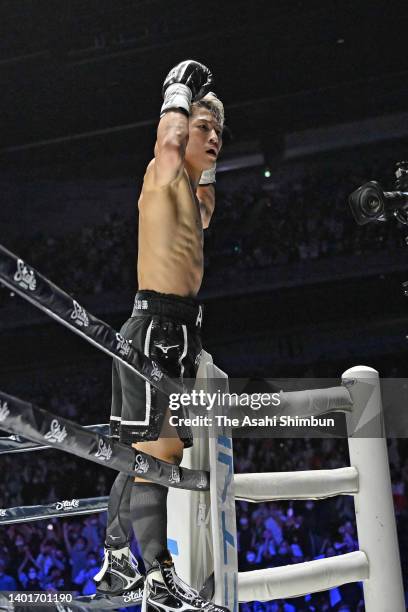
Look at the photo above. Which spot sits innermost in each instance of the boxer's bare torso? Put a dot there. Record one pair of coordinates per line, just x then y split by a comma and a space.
170, 256
173, 208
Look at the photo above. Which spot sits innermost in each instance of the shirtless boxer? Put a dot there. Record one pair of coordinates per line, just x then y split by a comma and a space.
175, 205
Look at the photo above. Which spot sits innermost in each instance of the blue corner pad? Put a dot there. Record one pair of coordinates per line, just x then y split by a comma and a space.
172, 546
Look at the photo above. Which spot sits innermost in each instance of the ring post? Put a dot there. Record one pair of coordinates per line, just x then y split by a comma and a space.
190, 540
223, 517
375, 518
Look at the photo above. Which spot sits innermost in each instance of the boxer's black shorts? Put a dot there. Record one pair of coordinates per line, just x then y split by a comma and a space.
167, 329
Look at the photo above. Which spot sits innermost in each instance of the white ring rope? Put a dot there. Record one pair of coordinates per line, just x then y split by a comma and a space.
302, 578
314, 484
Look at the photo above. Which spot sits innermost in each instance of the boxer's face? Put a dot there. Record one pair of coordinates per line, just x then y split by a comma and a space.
205, 139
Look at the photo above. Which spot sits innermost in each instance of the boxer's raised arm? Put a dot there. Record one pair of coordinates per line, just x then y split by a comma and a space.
186, 82
172, 138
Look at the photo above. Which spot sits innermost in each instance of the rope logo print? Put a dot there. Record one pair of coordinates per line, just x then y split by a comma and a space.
67, 504
56, 434
141, 465
25, 277
123, 345
202, 483
104, 451
175, 474
4, 411
133, 596
79, 315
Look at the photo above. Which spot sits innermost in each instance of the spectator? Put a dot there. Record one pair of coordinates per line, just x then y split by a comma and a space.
54, 581
77, 552
84, 578
27, 580
7, 583
47, 559
30, 581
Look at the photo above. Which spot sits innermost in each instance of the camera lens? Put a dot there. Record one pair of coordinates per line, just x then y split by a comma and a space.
367, 203
370, 203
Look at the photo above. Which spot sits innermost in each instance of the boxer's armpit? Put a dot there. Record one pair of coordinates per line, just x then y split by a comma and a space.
206, 198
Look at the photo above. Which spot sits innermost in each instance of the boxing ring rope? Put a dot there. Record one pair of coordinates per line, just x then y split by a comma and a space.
18, 444
302, 578
64, 508
377, 563
315, 484
254, 488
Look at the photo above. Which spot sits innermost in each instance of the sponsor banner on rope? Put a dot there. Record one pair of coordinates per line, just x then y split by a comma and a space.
175, 474
104, 451
67, 504
56, 433
25, 277
71, 507
79, 315
141, 464
123, 345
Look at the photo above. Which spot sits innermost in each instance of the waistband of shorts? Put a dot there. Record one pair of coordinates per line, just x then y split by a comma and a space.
183, 309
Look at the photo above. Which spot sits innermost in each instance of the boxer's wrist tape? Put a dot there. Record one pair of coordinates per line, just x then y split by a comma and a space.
177, 97
208, 176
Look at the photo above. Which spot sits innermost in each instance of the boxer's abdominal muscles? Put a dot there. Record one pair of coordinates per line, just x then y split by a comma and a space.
170, 258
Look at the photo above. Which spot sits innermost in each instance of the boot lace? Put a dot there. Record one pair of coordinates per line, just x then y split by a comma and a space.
184, 590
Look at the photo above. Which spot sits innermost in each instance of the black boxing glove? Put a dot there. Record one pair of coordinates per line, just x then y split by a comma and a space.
185, 83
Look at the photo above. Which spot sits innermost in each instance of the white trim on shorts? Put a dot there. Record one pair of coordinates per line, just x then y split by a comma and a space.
185, 349
148, 402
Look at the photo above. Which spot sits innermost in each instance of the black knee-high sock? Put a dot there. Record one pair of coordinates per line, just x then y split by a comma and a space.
119, 525
148, 512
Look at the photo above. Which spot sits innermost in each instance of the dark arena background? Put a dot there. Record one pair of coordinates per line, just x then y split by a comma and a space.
316, 103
